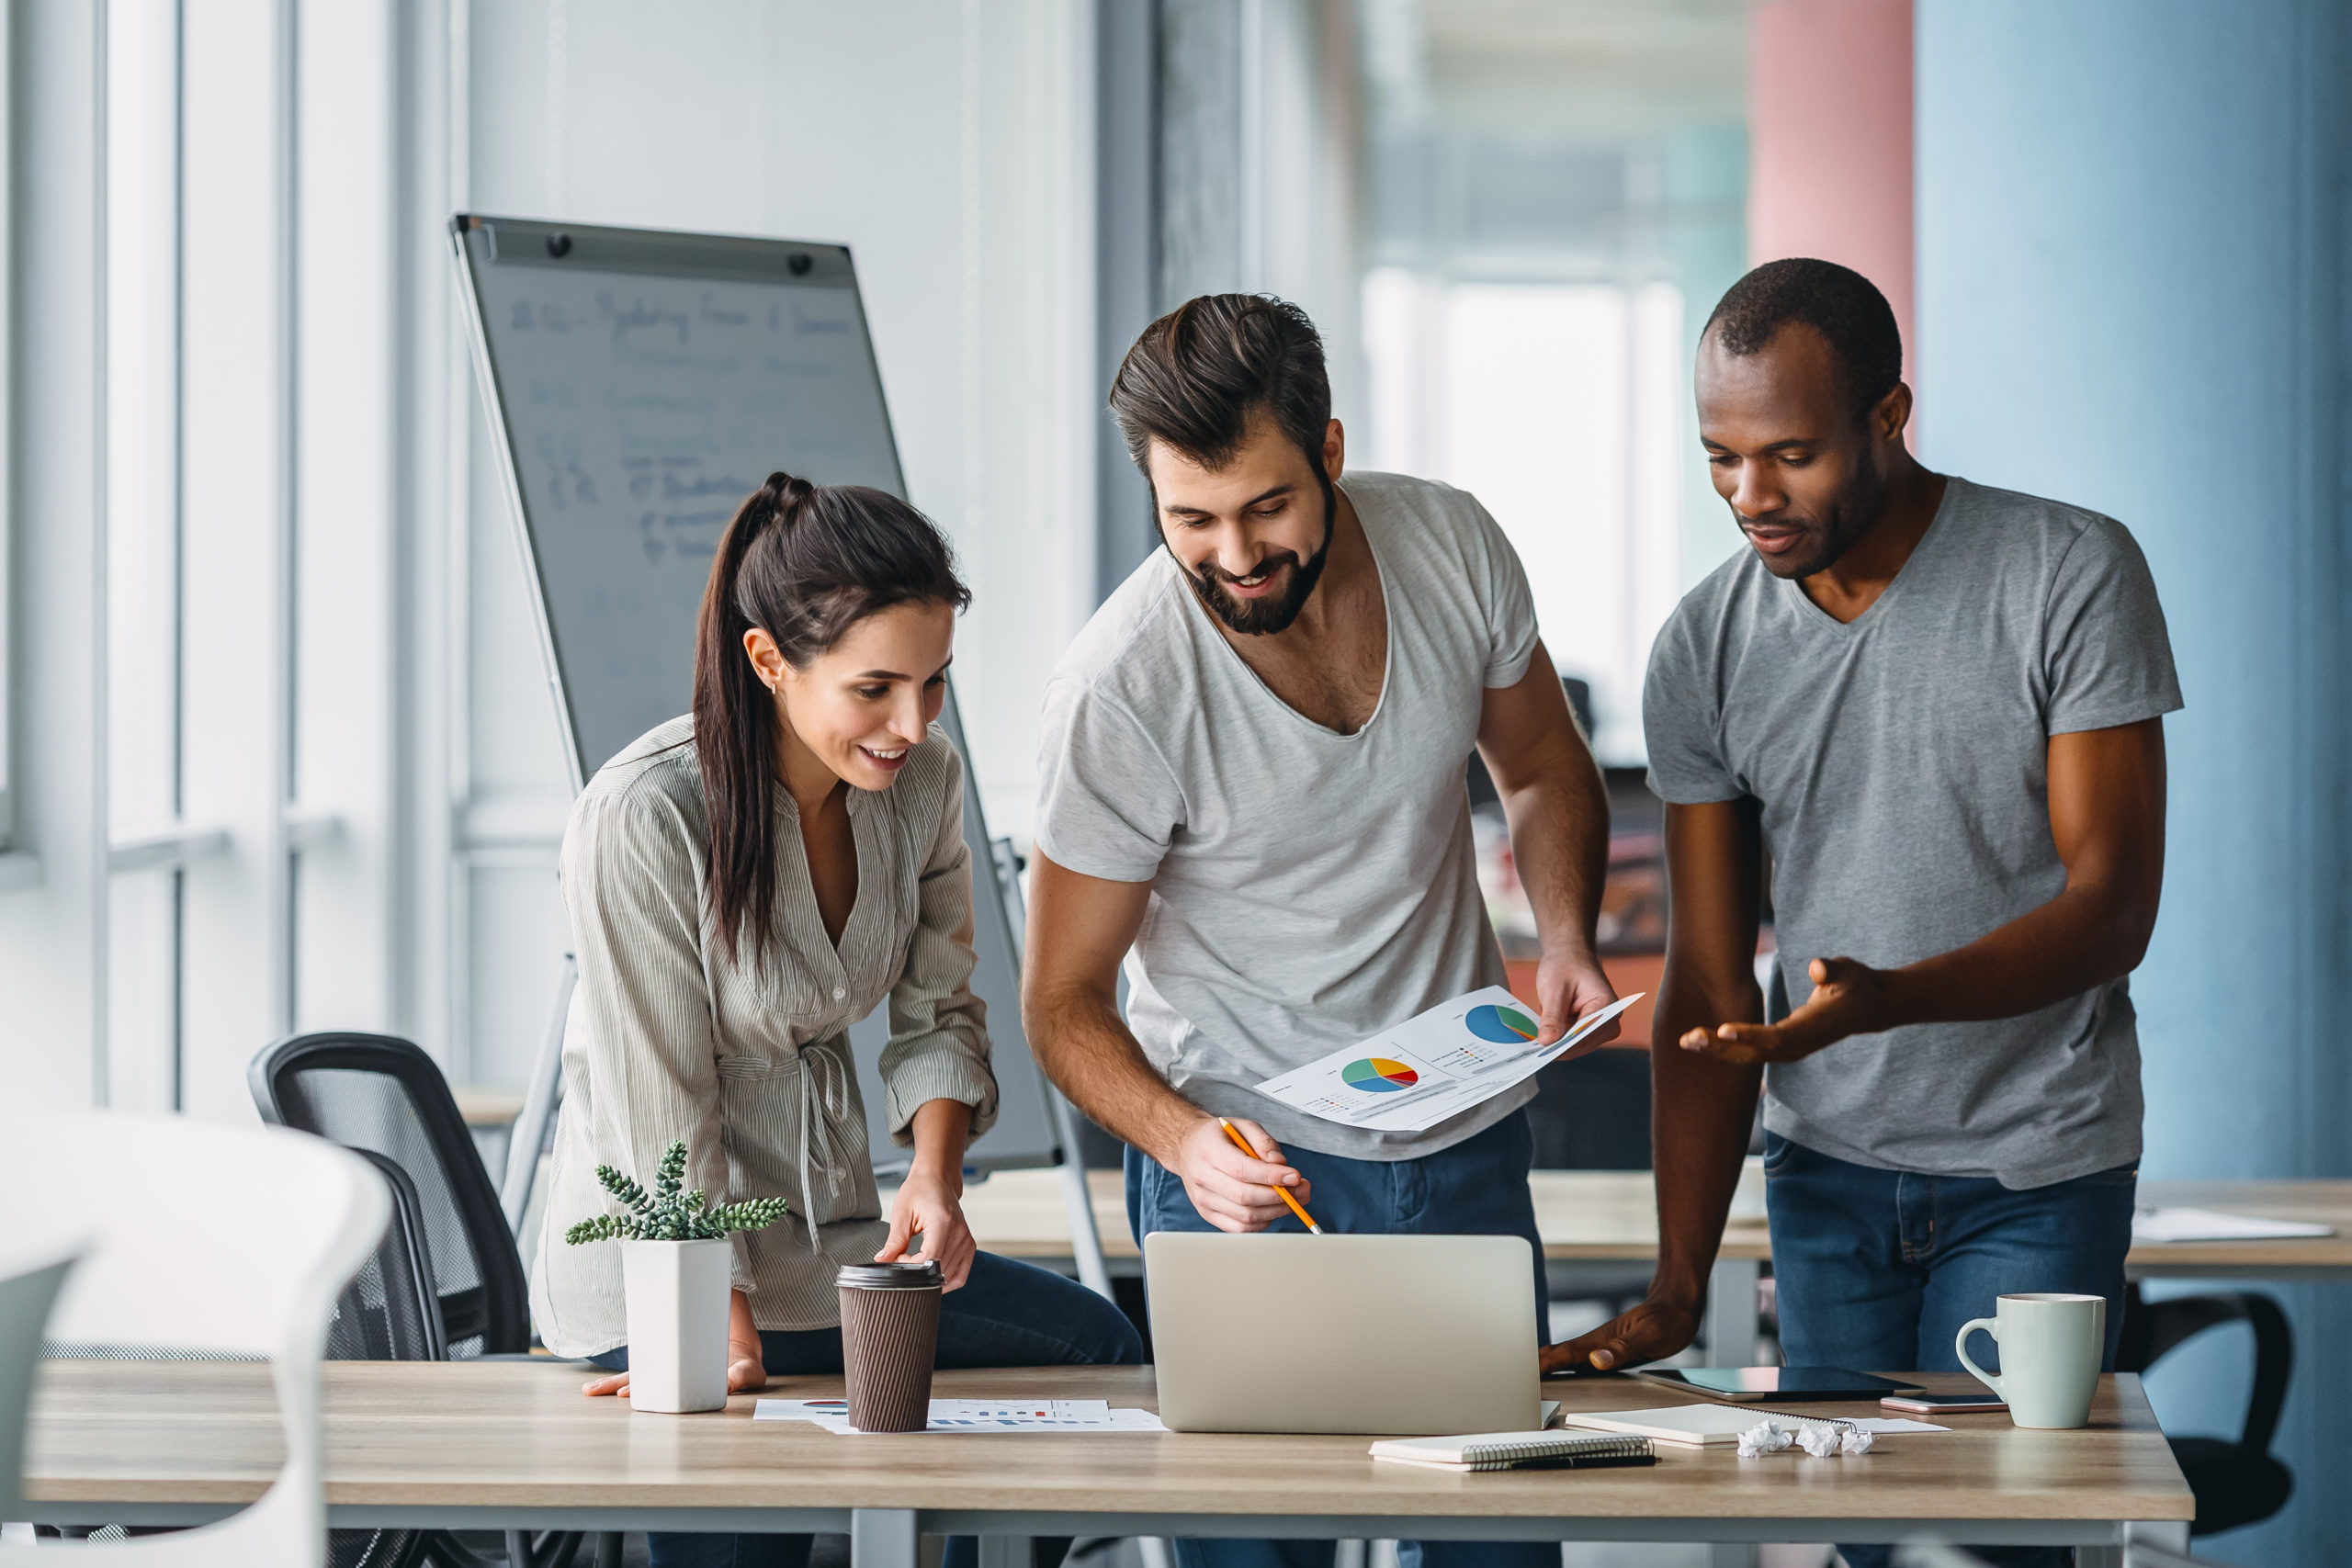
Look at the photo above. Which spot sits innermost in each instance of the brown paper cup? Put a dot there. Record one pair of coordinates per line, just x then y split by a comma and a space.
889, 1334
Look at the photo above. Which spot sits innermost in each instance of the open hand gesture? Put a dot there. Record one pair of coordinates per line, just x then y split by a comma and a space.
1847, 998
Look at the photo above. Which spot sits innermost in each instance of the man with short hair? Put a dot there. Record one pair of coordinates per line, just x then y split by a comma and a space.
1254, 778
1938, 707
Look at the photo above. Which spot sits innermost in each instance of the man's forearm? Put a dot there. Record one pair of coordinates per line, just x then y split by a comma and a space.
1700, 1113
1086, 1048
1559, 841
2083, 938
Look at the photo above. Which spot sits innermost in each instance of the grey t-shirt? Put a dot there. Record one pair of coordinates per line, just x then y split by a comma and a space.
1308, 888
1902, 765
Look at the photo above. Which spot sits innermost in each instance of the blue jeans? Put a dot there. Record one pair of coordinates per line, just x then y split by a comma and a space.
1476, 1187
1006, 1315
1875, 1271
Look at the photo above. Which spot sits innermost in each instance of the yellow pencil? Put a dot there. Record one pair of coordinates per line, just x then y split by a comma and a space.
1282, 1192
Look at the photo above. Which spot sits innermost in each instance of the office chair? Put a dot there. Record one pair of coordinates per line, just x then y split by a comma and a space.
2236, 1483
374, 1092
1593, 1113
390, 1314
255, 1255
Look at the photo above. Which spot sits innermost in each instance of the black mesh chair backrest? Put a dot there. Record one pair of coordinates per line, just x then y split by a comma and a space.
1593, 1113
388, 1313
375, 1093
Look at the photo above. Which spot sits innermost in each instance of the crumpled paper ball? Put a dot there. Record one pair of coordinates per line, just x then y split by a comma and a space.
1854, 1440
1819, 1441
1764, 1437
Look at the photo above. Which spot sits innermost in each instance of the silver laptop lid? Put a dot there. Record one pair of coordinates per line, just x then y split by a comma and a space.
1388, 1335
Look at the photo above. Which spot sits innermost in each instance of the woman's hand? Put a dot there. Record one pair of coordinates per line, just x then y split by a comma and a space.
930, 1205
931, 1201
746, 1363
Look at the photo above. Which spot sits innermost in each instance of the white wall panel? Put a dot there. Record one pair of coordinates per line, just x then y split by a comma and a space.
349, 488
53, 925
235, 469
949, 145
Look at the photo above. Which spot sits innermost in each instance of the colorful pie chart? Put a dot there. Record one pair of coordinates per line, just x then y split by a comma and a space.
1378, 1075
1504, 1026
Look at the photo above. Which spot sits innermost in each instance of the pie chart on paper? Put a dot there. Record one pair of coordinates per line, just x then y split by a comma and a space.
1378, 1075
1503, 1026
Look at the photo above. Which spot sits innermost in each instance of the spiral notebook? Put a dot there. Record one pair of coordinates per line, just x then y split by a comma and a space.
1517, 1450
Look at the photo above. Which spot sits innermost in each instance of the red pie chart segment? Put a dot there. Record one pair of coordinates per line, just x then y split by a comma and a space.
1378, 1075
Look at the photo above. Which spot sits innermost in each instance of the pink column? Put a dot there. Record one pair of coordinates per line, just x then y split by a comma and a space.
1829, 126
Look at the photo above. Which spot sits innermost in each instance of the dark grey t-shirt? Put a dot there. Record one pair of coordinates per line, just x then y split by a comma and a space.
1902, 765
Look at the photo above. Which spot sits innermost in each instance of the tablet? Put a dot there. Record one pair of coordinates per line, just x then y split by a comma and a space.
1762, 1384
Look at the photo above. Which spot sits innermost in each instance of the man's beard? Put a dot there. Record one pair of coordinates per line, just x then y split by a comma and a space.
1263, 618
1848, 517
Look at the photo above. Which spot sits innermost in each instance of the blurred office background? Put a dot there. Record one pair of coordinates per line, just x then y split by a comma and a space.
275, 746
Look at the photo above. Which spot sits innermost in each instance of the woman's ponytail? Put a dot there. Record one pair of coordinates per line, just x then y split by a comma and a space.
803, 563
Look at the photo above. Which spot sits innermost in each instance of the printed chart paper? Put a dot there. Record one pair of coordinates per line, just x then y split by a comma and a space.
975, 1416
1410, 1079
2152, 1225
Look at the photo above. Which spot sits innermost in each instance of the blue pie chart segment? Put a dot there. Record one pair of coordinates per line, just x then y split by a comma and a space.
1378, 1075
1502, 1026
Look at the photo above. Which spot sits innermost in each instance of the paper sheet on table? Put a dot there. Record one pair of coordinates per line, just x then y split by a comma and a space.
975, 1416
2153, 1225
1407, 1079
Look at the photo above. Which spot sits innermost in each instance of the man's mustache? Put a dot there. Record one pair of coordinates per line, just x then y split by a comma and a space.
1209, 572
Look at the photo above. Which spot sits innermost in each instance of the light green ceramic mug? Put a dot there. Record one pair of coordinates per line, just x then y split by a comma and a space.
2050, 1350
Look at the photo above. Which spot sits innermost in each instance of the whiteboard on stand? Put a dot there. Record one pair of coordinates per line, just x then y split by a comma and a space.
642, 384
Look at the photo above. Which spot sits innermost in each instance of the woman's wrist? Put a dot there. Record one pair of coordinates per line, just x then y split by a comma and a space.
948, 1176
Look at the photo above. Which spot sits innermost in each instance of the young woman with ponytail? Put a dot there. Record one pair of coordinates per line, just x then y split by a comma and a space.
746, 881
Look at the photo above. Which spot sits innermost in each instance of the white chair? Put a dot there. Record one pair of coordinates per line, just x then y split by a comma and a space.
28, 1284
205, 1240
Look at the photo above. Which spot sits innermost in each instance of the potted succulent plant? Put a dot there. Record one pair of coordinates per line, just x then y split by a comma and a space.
675, 1256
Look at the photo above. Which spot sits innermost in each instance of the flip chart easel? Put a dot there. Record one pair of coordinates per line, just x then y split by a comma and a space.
640, 383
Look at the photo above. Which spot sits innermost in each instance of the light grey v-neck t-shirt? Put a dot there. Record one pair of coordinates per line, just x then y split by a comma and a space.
1902, 763
1308, 888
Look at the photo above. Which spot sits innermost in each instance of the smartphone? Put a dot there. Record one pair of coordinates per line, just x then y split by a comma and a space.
1942, 1404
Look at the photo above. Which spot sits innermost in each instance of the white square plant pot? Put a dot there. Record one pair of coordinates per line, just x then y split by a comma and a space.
677, 1323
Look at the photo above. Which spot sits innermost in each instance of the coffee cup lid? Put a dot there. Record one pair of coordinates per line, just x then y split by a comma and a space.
889, 1276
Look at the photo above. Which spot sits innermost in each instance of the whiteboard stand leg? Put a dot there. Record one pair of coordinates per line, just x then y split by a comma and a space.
528, 1136
1085, 1240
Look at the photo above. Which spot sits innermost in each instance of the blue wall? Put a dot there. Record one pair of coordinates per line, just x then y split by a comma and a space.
2132, 254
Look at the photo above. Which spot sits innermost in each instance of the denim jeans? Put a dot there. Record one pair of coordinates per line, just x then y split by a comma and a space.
1875, 1271
1476, 1187
1006, 1315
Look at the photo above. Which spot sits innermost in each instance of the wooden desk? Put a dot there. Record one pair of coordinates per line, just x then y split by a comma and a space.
486, 1105
1612, 1216
513, 1445
2318, 1258
1591, 1215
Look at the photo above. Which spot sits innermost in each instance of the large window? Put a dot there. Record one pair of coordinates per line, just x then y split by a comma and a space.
1559, 406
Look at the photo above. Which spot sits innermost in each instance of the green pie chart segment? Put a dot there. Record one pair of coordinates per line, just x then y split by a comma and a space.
1378, 1075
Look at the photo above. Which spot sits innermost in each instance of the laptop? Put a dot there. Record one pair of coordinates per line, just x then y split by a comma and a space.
1392, 1336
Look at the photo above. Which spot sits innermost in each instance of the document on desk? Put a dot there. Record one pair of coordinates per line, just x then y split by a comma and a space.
2151, 1225
975, 1416
1410, 1079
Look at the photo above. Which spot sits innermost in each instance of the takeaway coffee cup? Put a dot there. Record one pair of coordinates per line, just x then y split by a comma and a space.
890, 1333
2051, 1350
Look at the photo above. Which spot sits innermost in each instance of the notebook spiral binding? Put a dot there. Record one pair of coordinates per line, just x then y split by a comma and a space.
1559, 1451
1833, 1422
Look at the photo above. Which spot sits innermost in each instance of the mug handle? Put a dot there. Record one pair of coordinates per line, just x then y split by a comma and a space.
1960, 1348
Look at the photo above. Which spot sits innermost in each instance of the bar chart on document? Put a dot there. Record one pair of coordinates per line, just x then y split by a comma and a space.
1437, 1065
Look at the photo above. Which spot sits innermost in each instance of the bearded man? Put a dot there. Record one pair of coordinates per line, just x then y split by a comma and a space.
1254, 792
